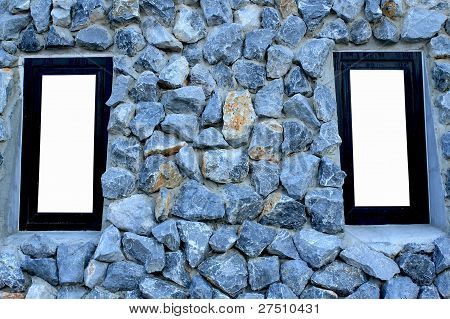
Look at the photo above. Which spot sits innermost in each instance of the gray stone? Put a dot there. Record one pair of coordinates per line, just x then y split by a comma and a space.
372, 10
368, 290
442, 283
120, 118
39, 246
266, 141
282, 211
217, 294
249, 75
164, 10
123, 65
348, 9
212, 114
389, 249
335, 30
40, 12
72, 292
40, 289
324, 103
283, 246
157, 172
399, 288
11, 25
263, 271
134, 214
7, 60
224, 76
175, 269
4, 131
418, 267
428, 292
196, 202
299, 107
193, 53
154, 288
418, 248
441, 254
164, 204
265, 176
201, 76
441, 75
6, 85
200, 289
151, 59
109, 247
158, 36
386, 30
95, 38
167, 234
123, 275
250, 295
227, 271
121, 85
187, 162
95, 273
126, 152
256, 43
421, 24
295, 274
101, 293
360, 31
30, 41
270, 18
195, 236
61, 17
445, 144
440, 47
223, 239
164, 144
254, 238
313, 55
190, 26
292, 31
124, 11
58, 37
248, 17
330, 174
117, 183
10, 273
216, 11
224, 43
241, 203
326, 207
210, 138
174, 74
44, 268
316, 248
371, 262
279, 291
85, 11
185, 126
225, 166
296, 82
298, 172
16, 6
269, 99
72, 259
313, 12
188, 99
129, 40
279, 60
312, 292
327, 141
297, 137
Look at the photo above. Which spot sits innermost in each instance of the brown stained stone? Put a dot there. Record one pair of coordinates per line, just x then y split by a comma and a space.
389, 9
163, 204
287, 7
12, 295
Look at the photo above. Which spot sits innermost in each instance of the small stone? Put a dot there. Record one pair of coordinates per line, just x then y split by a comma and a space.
188, 99
224, 43
279, 60
250, 295
445, 143
187, 162
163, 10
250, 75
372, 10
256, 43
72, 259
295, 274
158, 36
100, 293
388, 249
120, 118
254, 238
224, 76
95, 38
282, 211
227, 271
216, 11
327, 141
421, 24
201, 76
241, 203
313, 55
210, 138
134, 214
262, 271
283, 246
270, 18
164, 144
118, 183
190, 26
386, 30
200, 289
61, 17
428, 292
157, 172
85, 11
212, 114
442, 283
265, 176
368, 290
11, 25
154, 288
40, 12
313, 12
440, 47
175, 269
360, 32
326, 207
225, 166
248, 17
167, 234
269, 99
266, 141
72, 292
195, 236
7, 60
299, 107
151, 59
126, 152
120, 88
330, 174
129, 40
16, 6
296, 82
185, 126
193, 53
174, 74
316, 248
348, 9
441, 75
223, 239
109, 246
298, 172
324, 103
287, 7
441, 254
39, 246
95, 273
10, 273
59, 37
40, 289
371, 262
30, 41
292, 31
418, 267
124, 11
196, 202
164, 204
335, 30
399, 288
418, 248
279, 291
4, 132
123, 275
297, 137
146, 88
44, 268
123, 65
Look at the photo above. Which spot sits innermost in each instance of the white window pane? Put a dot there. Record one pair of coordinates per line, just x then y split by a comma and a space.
67, 144
379, 138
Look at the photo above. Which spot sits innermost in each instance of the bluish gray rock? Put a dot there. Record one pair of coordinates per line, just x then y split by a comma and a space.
85, 10
167, 234
224, 43
11, 25
61, 17
201, 76
335, 30
326, 207
256, 43
282, 211
372, 10
227, 271
123, 275
386, 30
174, 74
196, 202
418, 267
109, 246
164, 10
193, 53
270, 18
440, 47
296, 82
445, 143
95, 38
223, 239
39, 246
263, 271
44, 268
175, 269
6, 83
295, 274
418, 248
316, 248
313, 55
190, 25
121, 85
129, 40
330, 174
248, 17
120, 118
241, 203
4, 131
160, 143
250, 295
371, 262
283, 246
327, 141
297, 173
151, 59
124, 11
212, 114
368, 290
126, 152
299, 107
224, 76
210, 138
279, 60
158, 36
72, 259
188, 99
324, 103
360, 31
441, 254
154, 288
40, 289
158, 172
313, 12
101, 293
30, 41
187, 162
441, 75
421, 24
254, 238
40, 12
95, 273
134, 214
123, 65
7, 60
442, 283
269, 99
10, 273
144, 250
279, 291
312, 292
216, 11
225, 166
250, 75
185, 126
199, 288
292, 31
72, 292
266, 141
399, 288
348, 9
117, 183
428, 292
195, 237
58, 37
265, 176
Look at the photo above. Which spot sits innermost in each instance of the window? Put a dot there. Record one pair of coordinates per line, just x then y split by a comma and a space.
381, 122
64, 143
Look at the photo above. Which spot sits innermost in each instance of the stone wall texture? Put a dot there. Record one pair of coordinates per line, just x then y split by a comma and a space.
223, 176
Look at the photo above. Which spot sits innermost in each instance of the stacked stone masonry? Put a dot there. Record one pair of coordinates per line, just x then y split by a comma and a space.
223, 177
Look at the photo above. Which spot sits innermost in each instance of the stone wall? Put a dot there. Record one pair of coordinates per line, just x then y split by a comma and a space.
223, 176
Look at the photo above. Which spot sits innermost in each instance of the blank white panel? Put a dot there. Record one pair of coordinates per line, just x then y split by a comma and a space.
380, 159
66, 160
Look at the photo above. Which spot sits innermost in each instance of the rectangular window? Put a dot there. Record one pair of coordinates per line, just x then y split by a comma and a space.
64, 142
381, 121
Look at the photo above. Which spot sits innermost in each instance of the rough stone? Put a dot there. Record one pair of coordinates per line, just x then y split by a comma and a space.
326, 207
163, 206
327, 141
175, 269
72, 292
254, 238
124, 11
185, 126
151, 59
164, 10
7, 60
292, 31
295, 274
126, 152
109, 246
44, 268
279, 291
212, 114
421, 24
154, 288
195, 236
441, 75
129, 40
193, 53
386, 30
225, 166
250, 295
146, 88
348, 9
286, 7
445, 144
393, 8
241, 203
442, 283
428, 292
4, 131
40, 289
86, 11
324, 103
72, 259
399, 288
256, 43
330, 174
223, 239
279, 60
190, 26
360, 31
201, 76
61, 17
95, 273
11, 25
312, 292
158, 172
297, 137
39, 246
164, 144
188, 99
40, 12
101, 293
266, 141
95, 38
121, 85
418, 267
440, 47
158, 36
118, 183
216, 11
283, 246
6, 85
313, 55
335, 30
167, 234
123, 275
269, 99
30, 41
224, 43
270, 18
250, 75
224, 76
210, 138
441, 254
187, 162
174, 74
313, 12
372, 10
282, 211
296, 82
120, 118
58, 37
248, 17
264, 176
263, 271
299, 107
199, 288
368, 290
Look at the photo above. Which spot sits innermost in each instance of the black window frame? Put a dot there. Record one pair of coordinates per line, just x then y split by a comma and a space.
34, 69
411, 64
